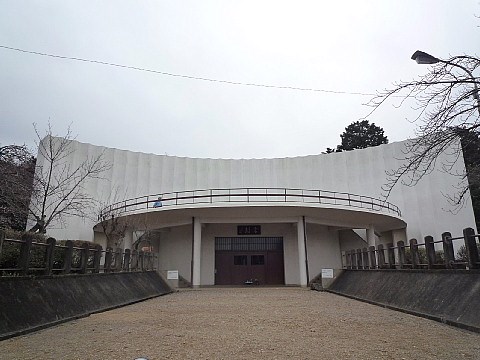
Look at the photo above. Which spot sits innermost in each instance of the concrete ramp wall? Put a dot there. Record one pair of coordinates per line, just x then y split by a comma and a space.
33, 303
449, 296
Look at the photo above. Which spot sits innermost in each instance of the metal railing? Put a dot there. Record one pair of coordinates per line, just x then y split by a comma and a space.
27, 257
248, 195
413, 255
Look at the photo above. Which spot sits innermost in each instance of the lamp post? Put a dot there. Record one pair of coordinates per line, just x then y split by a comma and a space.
423, 58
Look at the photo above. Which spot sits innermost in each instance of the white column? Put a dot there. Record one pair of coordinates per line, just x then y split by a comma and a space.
301, 253
128, 239
197, 248
371, 236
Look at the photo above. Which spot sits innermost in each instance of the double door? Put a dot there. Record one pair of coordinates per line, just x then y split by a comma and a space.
249, 268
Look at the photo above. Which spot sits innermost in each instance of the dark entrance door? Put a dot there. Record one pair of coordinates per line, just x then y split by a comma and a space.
252, 260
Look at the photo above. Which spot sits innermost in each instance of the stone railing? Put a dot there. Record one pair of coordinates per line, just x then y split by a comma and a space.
27, 257
432, 254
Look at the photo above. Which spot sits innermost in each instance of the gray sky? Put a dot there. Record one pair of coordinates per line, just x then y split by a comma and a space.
352, 46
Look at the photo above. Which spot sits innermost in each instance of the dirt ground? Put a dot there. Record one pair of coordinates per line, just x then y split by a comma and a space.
247, 323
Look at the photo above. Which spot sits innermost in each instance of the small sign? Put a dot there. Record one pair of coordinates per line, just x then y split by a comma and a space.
172, 275
327, 273
249, 230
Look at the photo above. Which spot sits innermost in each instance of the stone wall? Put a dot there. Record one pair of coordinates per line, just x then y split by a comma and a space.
449, 296
32, 303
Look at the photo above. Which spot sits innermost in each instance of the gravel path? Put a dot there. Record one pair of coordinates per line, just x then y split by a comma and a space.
247, 323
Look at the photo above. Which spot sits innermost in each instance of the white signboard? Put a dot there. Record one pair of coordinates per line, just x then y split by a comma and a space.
172, 275
327, 273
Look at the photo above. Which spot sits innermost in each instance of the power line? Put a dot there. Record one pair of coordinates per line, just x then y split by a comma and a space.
188, 76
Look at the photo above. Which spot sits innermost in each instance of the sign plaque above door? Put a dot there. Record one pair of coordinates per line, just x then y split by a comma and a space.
249, 230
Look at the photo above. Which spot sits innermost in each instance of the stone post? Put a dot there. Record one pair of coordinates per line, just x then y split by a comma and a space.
414, 254
401, 254
24, 260
371, 255
134, 262
85, 252
359, 259
67, 258
354, 259
96, 258
49, 256
2, 239
348, 259
471, 248
381, 256
448, 252
126, 260
391, 256
118, 259
141, 256
365, 258
430, 250
108, 260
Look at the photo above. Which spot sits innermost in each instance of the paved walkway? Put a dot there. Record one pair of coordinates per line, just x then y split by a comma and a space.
247, 323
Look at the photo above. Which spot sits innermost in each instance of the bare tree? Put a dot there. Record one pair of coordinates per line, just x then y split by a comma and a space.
17, 166
58, 186
446, 98
113, 226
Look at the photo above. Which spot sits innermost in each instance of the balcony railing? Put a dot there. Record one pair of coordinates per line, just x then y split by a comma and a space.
248, 195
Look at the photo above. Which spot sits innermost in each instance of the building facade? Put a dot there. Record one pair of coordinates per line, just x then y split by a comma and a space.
265, 221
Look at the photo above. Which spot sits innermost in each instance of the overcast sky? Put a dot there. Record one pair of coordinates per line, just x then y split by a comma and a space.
346, 46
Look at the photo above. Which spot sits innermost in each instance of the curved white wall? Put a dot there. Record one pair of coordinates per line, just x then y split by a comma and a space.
362, 172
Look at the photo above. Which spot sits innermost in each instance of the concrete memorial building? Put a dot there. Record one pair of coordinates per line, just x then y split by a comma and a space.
269, 221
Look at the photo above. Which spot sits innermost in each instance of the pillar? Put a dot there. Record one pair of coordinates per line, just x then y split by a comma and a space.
128, 239
371, 236
197, 248
301, 253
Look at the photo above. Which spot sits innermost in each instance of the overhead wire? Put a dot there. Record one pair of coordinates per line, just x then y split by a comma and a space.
191, 77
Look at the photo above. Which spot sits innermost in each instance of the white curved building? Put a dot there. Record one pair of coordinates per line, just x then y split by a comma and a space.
277, 221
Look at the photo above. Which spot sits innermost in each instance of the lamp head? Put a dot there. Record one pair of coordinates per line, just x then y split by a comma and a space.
423, 58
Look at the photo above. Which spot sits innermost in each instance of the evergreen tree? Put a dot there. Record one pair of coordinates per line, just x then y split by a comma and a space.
360, 135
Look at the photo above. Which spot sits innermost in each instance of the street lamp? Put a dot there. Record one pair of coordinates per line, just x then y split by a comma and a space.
423, 58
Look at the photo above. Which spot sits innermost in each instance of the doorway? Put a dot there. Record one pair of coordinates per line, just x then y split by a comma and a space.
249, 261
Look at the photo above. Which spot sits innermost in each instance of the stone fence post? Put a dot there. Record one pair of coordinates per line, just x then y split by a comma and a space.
381, 256
85, 252
2, 239
118, 259
448, 253
391, 255
430, 250
414, 254
359, 259
49, 255
67, 258
365, 258
96, 258
108, 261
354, 259
126, 260
134, 262
24, 260
371, 255
141, 255
471, 248
401, 254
